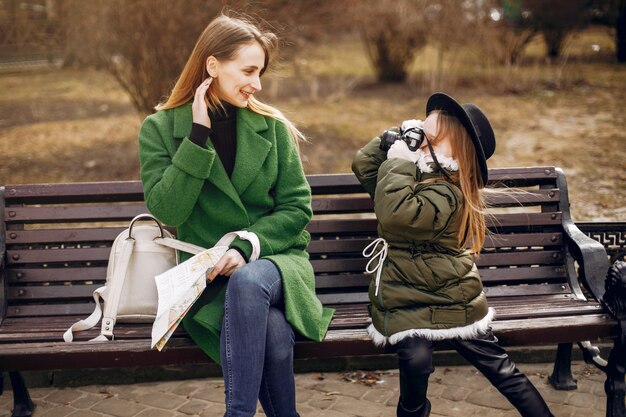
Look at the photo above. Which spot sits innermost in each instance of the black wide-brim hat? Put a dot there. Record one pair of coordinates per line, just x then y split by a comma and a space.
474, 121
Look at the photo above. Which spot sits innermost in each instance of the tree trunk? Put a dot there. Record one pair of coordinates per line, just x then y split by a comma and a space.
554, 42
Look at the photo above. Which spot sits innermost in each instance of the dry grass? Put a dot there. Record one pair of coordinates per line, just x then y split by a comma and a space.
68, 125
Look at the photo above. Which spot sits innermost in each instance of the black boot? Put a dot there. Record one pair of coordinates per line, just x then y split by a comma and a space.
421, 411
492, 361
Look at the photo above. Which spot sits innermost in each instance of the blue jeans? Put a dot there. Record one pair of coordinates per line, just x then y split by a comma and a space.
257, 344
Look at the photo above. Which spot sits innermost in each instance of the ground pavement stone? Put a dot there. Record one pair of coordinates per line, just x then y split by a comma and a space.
64, 396
351, 406
215, 410
455, 393
186, 389
489, 399
581, 400
153, 412
588, 413
454, 408
86, 401
161, 400
381, 396
118, 407
322, 401
435, 390
85, 413
554, 396
561, 410
212, 394
350, 389
329, 413
193, 407
38, 393
60, 411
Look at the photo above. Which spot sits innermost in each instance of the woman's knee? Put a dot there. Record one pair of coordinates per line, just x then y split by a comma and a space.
415, 355
251, 279
279, 338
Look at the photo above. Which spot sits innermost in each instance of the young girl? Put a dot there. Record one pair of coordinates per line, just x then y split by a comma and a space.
214, 159
427, 286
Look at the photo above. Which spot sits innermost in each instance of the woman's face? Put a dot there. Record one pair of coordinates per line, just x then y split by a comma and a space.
238, 79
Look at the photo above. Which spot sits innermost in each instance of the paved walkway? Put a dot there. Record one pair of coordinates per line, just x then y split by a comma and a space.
453, 390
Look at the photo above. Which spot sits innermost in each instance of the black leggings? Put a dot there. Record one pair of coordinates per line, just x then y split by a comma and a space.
415, 360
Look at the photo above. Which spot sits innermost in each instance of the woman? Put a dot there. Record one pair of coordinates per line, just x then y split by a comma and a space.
430, 212
214, 159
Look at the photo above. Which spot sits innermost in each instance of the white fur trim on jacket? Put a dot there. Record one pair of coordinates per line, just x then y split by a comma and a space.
471, 331
424, 159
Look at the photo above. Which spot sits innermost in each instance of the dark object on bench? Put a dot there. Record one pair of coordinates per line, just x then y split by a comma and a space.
55, 242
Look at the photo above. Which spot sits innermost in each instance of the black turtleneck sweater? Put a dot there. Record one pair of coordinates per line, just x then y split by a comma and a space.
222, 133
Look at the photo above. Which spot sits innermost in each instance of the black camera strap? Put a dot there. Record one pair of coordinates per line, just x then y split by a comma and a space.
432, 153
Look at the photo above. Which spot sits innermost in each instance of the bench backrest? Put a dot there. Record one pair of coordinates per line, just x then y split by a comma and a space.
58, 238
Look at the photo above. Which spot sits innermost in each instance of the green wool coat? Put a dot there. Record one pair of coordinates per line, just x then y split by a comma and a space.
186, 186
430, 287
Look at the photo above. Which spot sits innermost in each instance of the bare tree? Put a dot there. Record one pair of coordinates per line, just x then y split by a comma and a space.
145, 43
393, 32
556, 19
511, 28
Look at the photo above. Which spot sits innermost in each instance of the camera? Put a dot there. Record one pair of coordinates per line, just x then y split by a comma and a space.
413, 137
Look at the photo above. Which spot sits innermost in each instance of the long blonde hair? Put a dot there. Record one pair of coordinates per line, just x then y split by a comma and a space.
468, 178
223, 38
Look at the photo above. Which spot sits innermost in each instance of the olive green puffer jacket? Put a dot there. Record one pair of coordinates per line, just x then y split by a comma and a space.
429, 286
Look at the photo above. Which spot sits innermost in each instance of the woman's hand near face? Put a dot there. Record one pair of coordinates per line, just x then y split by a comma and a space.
229, 263
199, 106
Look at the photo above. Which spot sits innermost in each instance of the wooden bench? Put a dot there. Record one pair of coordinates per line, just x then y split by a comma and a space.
55, 241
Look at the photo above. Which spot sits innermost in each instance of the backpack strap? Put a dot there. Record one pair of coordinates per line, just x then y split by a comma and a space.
114, 290
116, 284
179, 245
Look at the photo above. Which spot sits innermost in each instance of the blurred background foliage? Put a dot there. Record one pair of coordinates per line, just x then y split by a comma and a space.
78, 76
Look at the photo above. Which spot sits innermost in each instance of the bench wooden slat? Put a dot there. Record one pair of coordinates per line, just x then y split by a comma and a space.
526, 290
341, 205
74, 192
526, 198
60, 236
34, 275
82, 309
347, 183
51, 292
43, 256
501, 275
517, 258
107, 235
68, 214
487, 259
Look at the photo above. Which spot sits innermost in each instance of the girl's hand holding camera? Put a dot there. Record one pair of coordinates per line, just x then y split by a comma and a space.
199, 106
401, 150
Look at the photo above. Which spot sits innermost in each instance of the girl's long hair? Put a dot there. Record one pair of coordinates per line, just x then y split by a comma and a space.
223, 38
468, 178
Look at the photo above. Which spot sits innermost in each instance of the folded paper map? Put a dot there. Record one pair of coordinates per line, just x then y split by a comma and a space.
178, 289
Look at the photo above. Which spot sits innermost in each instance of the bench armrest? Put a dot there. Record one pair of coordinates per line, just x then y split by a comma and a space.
590, 254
